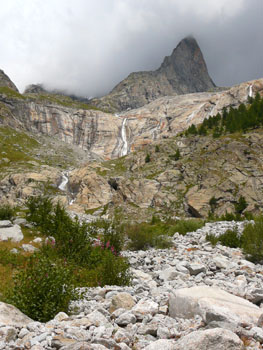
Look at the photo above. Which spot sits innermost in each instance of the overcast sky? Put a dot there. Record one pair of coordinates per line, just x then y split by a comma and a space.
87, 46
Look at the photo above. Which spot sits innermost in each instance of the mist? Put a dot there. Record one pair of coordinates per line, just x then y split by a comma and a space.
86, 48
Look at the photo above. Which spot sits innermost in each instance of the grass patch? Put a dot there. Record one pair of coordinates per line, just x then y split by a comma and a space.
62, 100
11, 93
157, 233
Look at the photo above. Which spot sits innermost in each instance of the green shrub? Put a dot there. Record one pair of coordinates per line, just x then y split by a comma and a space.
141, 237
39, 211
113, 270
147, 158
146, 235
43, 288
157, 148
241, 205
6, 212
252, 240
184, 226
230, 239
212, 239
110, 233
175, 156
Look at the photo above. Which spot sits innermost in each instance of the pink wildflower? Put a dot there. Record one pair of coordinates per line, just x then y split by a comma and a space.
107, 244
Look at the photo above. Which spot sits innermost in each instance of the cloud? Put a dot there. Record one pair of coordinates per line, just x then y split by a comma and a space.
87, 47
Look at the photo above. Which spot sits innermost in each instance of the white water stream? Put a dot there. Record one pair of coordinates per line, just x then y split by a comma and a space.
124, 147
250, 91
64, 181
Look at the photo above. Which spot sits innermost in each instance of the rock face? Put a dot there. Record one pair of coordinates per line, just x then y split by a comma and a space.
212, 305
183, 72
107, 136
6, 82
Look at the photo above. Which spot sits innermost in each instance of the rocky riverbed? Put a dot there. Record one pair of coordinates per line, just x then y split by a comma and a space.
191, 296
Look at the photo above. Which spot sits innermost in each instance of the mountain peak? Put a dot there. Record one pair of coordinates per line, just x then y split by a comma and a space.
187, 64
5, 81
184, 71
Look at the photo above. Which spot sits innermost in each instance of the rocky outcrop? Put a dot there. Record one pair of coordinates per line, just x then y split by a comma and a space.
35, 89
6, 82
183, 72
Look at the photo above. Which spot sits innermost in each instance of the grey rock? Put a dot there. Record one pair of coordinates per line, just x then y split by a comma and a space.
212, 339
11, 316
13, 233
195, 269
125, 319
5, 223
212, 304
162, 344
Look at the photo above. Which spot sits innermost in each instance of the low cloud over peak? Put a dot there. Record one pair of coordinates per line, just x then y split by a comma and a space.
86, 48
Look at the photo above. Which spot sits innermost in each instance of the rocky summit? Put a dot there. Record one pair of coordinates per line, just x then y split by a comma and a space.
183, 72
191, 296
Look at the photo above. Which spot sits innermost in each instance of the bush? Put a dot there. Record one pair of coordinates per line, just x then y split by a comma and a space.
241, 205
43, 288
230, 239
113, 270
184, 226
6, 212
212, 239
39, 211
146, 235
147, 158
110, 233
252, 240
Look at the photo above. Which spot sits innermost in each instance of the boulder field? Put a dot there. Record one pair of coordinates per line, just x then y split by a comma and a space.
192, 296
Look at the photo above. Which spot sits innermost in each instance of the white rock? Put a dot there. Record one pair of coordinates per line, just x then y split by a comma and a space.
37, 240
11, 316
13, 233
162, 344
5, 223
221, 262
211, 339
212, 304
29, 248
145, 307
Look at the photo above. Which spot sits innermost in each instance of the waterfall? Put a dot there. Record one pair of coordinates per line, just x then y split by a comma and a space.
124, 147
64, 181
250, 91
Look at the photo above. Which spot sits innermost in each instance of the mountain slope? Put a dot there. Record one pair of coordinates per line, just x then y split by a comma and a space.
183, 72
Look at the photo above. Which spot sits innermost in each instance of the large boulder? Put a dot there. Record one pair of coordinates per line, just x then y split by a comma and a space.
11, 316
212, 304
122, 300
211, 339
14, 233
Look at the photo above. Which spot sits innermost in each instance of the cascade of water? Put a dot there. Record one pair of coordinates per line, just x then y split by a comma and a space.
124, 148
64, 181
250, 91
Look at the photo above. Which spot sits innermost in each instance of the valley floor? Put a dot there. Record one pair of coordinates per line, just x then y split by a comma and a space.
191, 296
